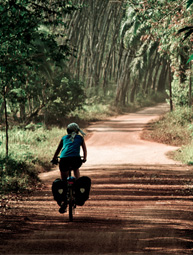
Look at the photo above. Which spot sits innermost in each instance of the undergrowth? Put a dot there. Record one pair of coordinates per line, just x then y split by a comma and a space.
175, 128
30, 152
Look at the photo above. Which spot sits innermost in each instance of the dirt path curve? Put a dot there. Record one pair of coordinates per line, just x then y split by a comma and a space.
117, 140
141, 201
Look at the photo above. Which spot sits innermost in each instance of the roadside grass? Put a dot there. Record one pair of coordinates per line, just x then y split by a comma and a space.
175, 128
93, 112
30, 152
185, 154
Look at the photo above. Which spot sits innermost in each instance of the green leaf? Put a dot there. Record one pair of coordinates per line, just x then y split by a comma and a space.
136, 26
189, 2
191, 58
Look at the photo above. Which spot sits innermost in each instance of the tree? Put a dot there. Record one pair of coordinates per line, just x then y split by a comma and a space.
146, 25
188, 30
94, 32
20, 56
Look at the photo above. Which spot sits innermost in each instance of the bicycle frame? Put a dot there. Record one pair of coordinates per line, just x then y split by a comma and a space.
71, 196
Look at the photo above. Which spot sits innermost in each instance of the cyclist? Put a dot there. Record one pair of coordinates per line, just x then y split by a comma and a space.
70, 145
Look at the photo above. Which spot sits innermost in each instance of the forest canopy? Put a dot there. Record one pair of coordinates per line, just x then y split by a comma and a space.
33, 58
133, 47
56, 56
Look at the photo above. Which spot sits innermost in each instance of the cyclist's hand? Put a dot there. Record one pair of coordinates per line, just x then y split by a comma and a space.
83, 160
54, 161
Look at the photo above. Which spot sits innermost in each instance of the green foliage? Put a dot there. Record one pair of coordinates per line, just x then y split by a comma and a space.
150, 35
173, 128
149, 100
17, 174
185, 154
28, 45
189, 2
33, 47
31, 150
17, 95
93, 112
180, 92
182, 116
190, 59
66, 96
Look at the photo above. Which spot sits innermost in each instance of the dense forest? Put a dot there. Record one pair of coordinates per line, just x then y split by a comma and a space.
57, 56
132, 48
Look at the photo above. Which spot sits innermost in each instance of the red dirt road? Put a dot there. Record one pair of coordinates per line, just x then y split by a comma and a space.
140, 203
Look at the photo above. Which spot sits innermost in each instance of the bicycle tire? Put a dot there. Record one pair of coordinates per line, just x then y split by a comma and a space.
70, 205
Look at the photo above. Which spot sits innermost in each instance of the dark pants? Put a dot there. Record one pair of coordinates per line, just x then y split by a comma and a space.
70, 163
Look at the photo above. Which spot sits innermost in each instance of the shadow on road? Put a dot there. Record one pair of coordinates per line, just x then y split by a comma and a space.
132, 210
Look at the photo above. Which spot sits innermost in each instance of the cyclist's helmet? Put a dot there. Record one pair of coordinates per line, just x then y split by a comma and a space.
73, 129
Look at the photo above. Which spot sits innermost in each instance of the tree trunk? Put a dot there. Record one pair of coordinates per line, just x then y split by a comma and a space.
157, 67
162, 78
6, 122
190, 86
132, 95
2, 107
170, 87
94, 32
22, 112
123, 81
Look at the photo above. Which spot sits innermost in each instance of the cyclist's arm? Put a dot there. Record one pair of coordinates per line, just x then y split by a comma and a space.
84, 151
58, 149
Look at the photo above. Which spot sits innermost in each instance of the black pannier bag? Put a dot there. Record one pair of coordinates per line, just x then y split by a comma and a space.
59, 191
82, 189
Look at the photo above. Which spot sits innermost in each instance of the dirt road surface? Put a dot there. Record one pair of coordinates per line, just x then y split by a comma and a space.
140, 203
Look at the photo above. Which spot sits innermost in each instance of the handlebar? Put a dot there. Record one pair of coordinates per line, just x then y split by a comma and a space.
54, 161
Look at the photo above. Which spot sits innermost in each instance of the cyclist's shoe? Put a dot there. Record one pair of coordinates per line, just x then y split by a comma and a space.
63, 208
